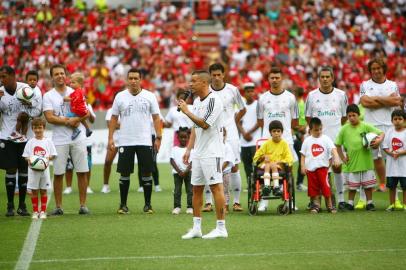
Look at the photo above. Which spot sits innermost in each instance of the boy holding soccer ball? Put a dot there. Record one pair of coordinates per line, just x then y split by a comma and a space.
358, 158
39, 150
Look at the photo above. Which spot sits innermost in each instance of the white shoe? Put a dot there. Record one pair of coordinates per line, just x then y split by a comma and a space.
42, 215
192, 233
263, 205
105, 189
89, 190
301, 187
158, 189
216, 233
176, 211
189, 211
34, 215
68, 190
140, 189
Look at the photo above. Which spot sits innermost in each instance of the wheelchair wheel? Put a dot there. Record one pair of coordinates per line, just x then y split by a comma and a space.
253, 209
282, 209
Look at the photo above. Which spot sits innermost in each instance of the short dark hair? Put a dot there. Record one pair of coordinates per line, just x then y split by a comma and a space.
400, 113
275, 124
32, 73
275, 70
315, 122
134, 70
353, 108
216, 66
326, 68
38, 121
183, 129
8, 70
378, 61
51, 70
203, 72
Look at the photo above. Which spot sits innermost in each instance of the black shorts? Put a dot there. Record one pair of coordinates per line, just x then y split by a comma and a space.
11, 156
392, 182
125, 165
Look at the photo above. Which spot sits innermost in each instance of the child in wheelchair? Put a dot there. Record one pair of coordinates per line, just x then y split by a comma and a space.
270, 157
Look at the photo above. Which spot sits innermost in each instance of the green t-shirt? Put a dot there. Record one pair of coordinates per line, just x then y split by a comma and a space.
302, 117
360, 158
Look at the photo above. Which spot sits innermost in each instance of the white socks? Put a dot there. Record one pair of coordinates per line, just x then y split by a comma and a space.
221, 224
339, 181
275, 179
197, 223
236, 185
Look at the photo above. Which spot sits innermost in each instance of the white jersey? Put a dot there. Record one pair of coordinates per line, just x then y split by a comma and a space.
178, 119
395, 140
53, 101
248, 121
317, 152
231, 97
228, 157
135, 117
91, 112
329, 108
209, 142
117, 131
177, 153
43, 148
282, 107
10, 108
380, 116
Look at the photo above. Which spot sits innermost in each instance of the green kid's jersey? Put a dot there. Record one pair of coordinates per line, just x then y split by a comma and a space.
302, 117
360, 158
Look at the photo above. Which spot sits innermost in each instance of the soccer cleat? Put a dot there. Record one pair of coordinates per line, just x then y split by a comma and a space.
140, 189
68, 190
277, 191
15, 136
83, 210
391, 208
123, 209
341, 206
189, 211
398, 205
237, 207
57, 212
263, 205
301, 187
42, 215
35, 215
22, 210
75, 133
370, 207
216, 233
314, 210
207, 207
332, 210
350, 207
148, 209
158, 188
266, 191
192, 233
10, 210
105, 189
89, 132
360, 205
176, 211
89, 190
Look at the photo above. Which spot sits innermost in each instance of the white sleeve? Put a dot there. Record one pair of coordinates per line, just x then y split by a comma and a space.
115, 109
260, 109
362, 90
294, 109
169, 116
214, 109
47, 103
91, 111
308, 107
172, 155
344, 105
108, 115
238, 99
52, 149
26, 152
304, 147
154, 106
330, 143
386, 142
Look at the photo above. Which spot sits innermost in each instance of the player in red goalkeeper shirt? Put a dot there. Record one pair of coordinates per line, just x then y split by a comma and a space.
78, 107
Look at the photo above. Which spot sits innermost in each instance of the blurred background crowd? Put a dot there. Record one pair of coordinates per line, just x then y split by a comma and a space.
161, 39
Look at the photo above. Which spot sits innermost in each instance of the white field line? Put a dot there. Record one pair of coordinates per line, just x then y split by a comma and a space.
30, 243
175, 257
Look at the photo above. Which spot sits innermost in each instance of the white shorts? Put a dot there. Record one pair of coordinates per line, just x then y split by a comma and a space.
379, 153
206, 171
236, 147
38, 180
78, 153
365, 179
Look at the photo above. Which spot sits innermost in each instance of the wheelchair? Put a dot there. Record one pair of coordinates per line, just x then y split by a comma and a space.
256, 191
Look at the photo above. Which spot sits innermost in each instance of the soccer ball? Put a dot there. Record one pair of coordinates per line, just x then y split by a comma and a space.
39, 163
368, 138
25, 94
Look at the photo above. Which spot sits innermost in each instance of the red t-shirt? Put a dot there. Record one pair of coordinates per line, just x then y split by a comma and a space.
78, 103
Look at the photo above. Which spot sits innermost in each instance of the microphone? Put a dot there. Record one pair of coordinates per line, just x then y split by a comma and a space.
186, 95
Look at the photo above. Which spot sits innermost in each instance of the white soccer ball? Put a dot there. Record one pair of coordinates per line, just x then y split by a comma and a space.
368, 138
38, 163
25, 94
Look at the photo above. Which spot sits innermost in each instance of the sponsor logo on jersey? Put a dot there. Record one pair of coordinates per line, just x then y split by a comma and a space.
39, 151
396, 144
326, 113
317, 150
276, 115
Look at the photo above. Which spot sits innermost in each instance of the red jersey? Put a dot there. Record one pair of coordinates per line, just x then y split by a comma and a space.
78, 103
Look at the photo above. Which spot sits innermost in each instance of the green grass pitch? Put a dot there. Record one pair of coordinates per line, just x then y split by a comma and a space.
106, 240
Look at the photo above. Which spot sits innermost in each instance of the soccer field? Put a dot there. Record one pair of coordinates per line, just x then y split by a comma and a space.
106, 240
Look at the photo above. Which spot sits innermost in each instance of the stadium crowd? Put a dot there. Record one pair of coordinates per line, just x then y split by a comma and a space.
105, 42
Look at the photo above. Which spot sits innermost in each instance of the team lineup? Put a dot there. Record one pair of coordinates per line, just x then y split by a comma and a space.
216, 128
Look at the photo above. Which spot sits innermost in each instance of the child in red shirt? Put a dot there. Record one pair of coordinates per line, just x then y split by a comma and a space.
78, 107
